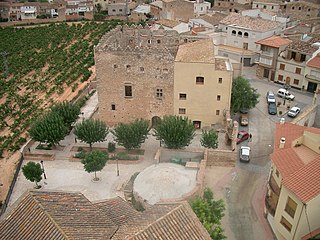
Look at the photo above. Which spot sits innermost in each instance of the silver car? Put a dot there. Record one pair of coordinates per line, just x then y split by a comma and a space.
293, 112
245, 154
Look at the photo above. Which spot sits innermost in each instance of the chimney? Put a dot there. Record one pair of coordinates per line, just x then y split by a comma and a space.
282, 142
282, 120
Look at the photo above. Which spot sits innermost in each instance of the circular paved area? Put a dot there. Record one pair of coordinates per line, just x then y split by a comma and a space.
164, 181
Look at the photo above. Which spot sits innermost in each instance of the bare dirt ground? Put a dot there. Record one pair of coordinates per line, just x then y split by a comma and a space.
9, 162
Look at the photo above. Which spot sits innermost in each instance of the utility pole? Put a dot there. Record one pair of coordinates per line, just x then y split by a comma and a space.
5, 64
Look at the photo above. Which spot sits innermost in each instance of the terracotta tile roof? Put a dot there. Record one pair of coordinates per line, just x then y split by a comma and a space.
314, 62
267, 1
213, 19
303, 47
168, 22
59, 215
274, 41
255, 24
180, 223
56, 215
298, 165
199, 51
305, 183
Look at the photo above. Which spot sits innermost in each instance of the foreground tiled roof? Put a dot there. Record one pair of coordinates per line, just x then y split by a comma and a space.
168, 22
256, 24
59, 215
181, 223
298, 165
199, 51
314, 62
56, 215
274, 41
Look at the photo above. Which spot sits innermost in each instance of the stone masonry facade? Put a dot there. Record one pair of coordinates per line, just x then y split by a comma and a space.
135, 74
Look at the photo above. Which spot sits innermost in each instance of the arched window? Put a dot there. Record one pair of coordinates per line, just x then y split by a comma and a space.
246, 35
239, 34
234, 33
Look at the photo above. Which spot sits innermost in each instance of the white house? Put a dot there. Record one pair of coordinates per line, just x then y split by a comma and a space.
201, 7
267, 15
242, 33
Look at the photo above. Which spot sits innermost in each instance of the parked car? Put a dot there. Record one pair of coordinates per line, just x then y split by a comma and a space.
242, 136
244, 119
285, 94
272, 108
270, 97
245, 154
293, 112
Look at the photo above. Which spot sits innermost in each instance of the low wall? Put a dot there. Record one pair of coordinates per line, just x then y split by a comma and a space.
307, 118
166, 154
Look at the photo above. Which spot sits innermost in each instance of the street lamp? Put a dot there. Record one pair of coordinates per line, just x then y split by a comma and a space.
286, 87
44, 174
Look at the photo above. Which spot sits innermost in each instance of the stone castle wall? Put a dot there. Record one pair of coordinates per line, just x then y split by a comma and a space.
141, 59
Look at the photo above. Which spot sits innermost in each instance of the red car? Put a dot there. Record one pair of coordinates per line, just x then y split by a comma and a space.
242, 135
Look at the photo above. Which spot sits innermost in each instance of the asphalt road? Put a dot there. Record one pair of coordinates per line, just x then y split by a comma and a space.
245, 223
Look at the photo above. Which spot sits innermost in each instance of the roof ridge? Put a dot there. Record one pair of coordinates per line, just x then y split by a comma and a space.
48, 215
158, 220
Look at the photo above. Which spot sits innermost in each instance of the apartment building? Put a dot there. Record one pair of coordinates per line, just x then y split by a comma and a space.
201, 7
242, 33
269, 50
312, 74
202, 83
292, 62
301, 10
271, 5
293, 191
227, 6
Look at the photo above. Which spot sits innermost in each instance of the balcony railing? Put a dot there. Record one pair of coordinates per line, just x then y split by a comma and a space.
274, 186
270, 205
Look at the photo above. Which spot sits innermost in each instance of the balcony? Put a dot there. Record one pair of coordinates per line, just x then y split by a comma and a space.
267, 54
271, 205
274, 186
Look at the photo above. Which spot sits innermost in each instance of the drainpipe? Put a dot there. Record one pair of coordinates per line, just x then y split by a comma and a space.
295, 231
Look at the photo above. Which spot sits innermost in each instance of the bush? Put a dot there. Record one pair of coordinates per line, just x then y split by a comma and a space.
124, 156
111, 147
209, 139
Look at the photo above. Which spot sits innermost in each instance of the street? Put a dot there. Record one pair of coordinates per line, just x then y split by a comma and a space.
245, 194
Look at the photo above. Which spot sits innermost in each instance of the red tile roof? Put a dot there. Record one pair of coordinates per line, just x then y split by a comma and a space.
300, 175
314, 62
60, 215
305, 182
274, 41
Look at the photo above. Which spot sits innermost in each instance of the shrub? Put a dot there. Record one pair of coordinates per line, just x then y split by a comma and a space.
111, 147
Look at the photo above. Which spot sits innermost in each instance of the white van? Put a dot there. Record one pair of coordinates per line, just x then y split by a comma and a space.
285, 94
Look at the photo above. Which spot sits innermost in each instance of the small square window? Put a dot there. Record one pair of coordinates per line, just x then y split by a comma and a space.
159, 93
113, 107
165, 71
220, 80
128, 91
217, 112
115, 66
128, 67
141, 69
298, 70
286, 223
296, 81
199, 80
280, 77
182, 111
149, 41
218, 97
158, 41
183, 96
282, 66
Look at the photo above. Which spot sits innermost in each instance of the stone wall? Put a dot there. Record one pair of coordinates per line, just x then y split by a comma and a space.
177, 10
309, 116
166, 155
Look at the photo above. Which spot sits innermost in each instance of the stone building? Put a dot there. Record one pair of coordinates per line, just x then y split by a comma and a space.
140, 74
135, 74
177, 10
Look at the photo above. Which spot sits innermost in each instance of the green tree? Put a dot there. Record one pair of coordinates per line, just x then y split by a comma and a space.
48, 128
209, 139
32, 171
91, 131
210, 213
98, 7
68, 111
175, 131
243, 96
131, 135
94, 161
